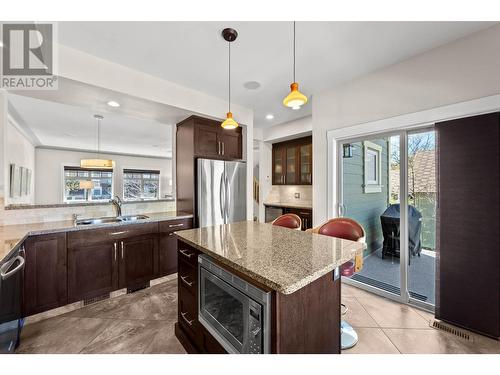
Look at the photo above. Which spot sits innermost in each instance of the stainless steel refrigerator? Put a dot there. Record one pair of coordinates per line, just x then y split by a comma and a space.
221, 192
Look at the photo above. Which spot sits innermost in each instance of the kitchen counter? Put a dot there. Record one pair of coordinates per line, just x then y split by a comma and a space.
305, 205
12, 236
282, 259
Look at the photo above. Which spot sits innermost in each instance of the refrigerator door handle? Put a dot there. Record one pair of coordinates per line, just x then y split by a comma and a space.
228, 199
222, 198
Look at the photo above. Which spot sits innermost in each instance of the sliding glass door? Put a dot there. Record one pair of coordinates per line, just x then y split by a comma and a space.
387, 184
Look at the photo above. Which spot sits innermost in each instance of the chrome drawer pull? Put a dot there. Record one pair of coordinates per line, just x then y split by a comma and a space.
118, 233
186, 253
115, 250
175, 225
190, 322
184, 279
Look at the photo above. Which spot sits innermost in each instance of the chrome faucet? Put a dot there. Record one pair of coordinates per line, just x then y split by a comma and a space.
117, 204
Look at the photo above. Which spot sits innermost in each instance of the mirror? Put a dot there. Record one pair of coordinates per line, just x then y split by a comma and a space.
58, 144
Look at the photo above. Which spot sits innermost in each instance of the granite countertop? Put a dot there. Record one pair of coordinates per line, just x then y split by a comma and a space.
305, 205
283, 259
12, 236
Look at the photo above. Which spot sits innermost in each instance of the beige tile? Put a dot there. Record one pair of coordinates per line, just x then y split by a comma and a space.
352, 291
165, 342
483, 344
390, 314
356, 314
60, 335
372, 341
124, 336
428, 316
427, 341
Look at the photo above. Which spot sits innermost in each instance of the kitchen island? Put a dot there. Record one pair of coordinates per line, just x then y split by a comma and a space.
296, 272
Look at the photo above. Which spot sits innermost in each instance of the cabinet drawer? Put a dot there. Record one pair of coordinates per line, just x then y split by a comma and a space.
92, 236
175, 225
188, 253
188, 314
188, 277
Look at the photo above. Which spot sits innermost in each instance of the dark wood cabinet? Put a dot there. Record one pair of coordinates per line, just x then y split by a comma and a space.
45, 282
198, 137
292, 162
138, 262
92, 270
168, 245
304, 214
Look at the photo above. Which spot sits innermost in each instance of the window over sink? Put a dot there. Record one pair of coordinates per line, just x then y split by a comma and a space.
87, 185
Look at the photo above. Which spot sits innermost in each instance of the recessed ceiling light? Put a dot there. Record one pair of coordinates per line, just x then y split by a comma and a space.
251, 85
113, 104
269, 116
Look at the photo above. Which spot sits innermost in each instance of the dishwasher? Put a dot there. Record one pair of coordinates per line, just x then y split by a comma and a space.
11, 298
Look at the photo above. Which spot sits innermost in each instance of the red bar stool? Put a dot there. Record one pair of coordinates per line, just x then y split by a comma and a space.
347, 229
291, 221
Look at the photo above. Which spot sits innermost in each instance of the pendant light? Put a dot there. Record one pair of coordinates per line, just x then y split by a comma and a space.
230, 36
295, 99
97, 163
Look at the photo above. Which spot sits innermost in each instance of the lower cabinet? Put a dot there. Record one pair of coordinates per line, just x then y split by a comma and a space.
45, 280
92, 270
79, 265
138, 262
167, 257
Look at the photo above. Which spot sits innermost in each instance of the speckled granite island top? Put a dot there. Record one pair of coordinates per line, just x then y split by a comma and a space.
12, 236
283, 259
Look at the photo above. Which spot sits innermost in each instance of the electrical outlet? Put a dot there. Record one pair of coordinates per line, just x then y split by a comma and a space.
297, 195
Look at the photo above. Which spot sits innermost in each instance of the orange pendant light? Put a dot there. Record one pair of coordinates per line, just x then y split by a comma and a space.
230, 36
295, 99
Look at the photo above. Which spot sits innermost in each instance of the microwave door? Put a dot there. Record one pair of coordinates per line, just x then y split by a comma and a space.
224, 312
236, 177
210, 192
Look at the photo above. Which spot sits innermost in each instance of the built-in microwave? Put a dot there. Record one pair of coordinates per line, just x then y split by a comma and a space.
235, 312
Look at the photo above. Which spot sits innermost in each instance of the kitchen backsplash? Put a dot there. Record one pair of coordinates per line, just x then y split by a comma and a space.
286, 194
39, 215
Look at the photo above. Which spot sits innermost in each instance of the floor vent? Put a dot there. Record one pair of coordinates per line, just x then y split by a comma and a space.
436, 324
137, 288
90, 301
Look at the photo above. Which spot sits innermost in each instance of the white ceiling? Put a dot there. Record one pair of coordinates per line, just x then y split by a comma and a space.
64, 118
193, 54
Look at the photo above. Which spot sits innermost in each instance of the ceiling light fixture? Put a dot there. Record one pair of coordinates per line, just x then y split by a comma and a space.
97, 163
113, 104
230, 36
295, 99
269, 116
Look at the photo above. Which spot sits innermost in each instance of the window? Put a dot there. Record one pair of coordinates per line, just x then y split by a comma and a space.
99, 182
372, 167
141, 184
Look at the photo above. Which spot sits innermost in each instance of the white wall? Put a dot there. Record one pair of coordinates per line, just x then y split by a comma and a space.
49, 172
19, 151
463, 70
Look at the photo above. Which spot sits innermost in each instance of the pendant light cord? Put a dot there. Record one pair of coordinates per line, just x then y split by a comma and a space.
98, 136
294, 51
229, 76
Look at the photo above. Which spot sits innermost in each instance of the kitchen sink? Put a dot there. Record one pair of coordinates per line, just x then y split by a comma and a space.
110, 220
134, 217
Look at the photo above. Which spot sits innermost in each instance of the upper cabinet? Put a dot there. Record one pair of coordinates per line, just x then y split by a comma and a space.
292, 162
212, 141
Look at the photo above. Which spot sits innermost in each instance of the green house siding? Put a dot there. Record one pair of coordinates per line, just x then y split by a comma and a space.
365, 208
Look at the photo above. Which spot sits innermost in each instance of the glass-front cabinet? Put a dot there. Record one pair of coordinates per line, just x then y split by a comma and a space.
305, 160
292, 162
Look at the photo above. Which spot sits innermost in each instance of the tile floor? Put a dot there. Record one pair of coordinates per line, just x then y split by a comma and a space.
387, 327
143, 322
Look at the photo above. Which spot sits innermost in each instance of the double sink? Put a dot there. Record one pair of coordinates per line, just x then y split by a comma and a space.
111, 220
